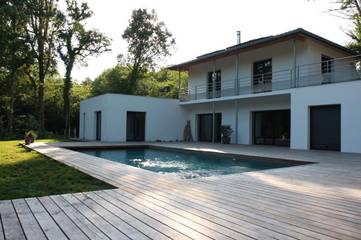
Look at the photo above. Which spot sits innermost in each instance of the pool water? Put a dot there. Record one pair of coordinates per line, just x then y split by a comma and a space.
185, 164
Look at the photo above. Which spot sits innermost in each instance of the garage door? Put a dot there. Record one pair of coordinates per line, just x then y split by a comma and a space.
325, 132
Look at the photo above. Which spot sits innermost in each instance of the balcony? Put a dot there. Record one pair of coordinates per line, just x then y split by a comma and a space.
315, 74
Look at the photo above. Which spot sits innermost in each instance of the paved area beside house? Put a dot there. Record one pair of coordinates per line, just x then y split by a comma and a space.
315, 201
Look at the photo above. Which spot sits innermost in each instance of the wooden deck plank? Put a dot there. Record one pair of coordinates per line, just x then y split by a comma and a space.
81, 221
188, 231
215, 222
107, 173
136, 223
10, 222
118, 223
231, 219
123, 179
235, 215
108, 229
318, 201
118, 167
294, 196
190, 221
66, 224
50, 228
150, 220
30, 226
251, 205
347, 216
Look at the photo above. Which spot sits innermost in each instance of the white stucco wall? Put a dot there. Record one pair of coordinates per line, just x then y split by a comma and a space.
245, 109
307, 52
164, 117
347, 94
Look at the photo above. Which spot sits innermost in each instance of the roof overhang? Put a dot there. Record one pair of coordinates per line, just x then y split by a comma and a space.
298, 34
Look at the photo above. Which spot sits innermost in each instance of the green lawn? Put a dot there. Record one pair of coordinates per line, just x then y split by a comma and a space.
25, 173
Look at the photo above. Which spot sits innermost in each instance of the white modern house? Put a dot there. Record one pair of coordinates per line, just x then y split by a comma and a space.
295, 89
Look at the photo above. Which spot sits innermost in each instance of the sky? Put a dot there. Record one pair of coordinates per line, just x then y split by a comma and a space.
201, 26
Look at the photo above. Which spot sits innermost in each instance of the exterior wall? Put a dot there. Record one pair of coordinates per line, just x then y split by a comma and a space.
282, 62
245, 109
165, 119
248, 106
346, 94
307, 52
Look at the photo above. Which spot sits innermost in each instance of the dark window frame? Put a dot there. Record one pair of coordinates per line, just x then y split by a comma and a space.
136, 129
327, 64
217, 124
98, 125
260, 77
218, 83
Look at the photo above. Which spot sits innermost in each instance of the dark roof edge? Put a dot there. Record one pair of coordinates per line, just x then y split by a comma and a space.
255, 42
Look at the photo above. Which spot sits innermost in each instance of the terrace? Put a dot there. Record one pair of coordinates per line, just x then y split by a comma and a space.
314, 74
314, 201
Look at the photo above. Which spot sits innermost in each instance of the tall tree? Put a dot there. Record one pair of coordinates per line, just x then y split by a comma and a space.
351, 9
14, 48
42, 29
148, 41
75, 45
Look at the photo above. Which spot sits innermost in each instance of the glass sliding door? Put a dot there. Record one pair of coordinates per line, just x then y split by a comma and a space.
262, 76
272, 127
205, 129
218, 84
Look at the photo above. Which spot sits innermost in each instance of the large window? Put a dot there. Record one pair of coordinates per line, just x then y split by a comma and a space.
272, 127
262, 72
327, 64
205, 127
217, 80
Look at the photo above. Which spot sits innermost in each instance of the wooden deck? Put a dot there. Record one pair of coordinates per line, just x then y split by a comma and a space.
316, 201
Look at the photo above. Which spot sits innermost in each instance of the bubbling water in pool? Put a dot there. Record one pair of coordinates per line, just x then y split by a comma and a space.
184, 164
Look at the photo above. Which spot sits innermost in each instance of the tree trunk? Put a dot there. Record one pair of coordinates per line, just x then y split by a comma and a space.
42, 74
41, 114
66, 97
12, 103
134, 74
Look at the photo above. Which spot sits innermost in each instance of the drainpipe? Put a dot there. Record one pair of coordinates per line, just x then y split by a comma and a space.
213, 96
294, 62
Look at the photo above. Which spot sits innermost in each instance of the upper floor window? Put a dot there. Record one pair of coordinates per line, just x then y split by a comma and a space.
217, 80
327, 64
262, 71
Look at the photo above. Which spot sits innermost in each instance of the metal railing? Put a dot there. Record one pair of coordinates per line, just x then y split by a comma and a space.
326, 72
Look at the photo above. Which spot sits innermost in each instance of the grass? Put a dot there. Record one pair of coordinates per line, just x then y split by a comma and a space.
26, 173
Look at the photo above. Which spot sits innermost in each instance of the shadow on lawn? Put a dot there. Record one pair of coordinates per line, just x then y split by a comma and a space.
29, 174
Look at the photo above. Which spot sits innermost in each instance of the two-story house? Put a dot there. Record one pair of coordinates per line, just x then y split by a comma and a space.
294, 89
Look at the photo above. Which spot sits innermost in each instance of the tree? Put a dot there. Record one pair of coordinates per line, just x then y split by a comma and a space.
41, 32
14, 48
112, 80
148, 40
75, 45
351, 9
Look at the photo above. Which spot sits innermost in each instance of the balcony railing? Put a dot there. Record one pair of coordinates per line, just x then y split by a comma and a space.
326, 72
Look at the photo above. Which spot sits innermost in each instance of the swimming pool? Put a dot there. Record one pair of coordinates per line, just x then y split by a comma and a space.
186, 164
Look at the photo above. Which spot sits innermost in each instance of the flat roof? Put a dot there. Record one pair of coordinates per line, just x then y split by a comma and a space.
259, 42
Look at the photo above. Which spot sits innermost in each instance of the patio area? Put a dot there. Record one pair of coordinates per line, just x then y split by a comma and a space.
314, 201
